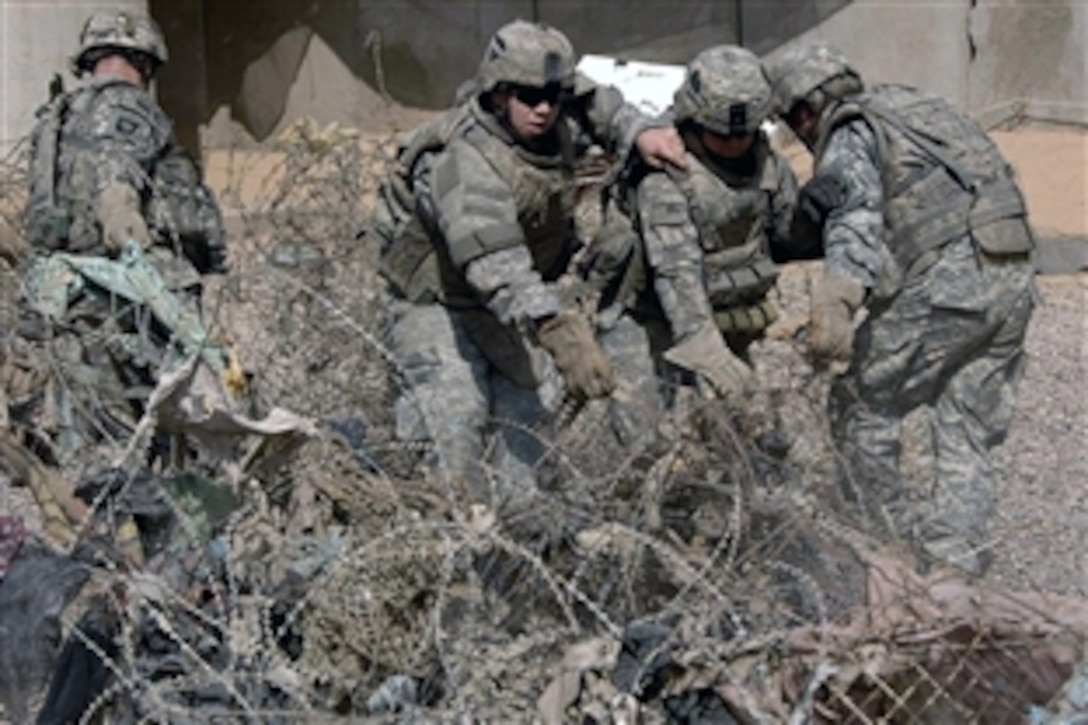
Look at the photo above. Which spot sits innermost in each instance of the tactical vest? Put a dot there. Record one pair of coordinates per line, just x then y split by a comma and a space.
47, 219
182, 210
943, 176
417, 264
733, 217
179, 208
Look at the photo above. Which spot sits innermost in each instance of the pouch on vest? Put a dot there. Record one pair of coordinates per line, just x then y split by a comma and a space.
45, 223
998, 219
615, 262
408, 260
182, 209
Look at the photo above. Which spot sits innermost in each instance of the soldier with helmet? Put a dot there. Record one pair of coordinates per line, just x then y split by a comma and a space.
477, 223
710, 238
110, 183
925, 227
106, 167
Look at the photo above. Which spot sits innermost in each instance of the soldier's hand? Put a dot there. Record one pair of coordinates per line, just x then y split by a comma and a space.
835, 299
659, 147
819, 197
216, 261
586, 370
120, 218
705, 353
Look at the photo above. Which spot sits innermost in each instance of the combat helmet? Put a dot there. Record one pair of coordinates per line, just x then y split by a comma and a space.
724, 91
110, 30
807, 68
526, 54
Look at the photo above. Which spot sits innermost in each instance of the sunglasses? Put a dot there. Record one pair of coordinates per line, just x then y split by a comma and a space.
793, 116
533, 96
732, 135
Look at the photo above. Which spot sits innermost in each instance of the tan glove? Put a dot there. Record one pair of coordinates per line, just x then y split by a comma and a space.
585, 368
706, 354
120, 218
835, 299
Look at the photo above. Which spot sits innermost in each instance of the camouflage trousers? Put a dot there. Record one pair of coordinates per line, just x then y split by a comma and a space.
951, 340
647, 385
633, 346
469, 390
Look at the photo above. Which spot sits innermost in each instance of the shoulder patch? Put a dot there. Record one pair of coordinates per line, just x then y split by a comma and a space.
127, 114
661, 202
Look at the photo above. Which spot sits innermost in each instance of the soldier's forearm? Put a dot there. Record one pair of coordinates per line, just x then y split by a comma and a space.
511, 288
683, 299
118, 212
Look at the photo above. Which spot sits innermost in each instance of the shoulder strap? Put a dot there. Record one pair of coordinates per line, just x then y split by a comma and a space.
926, 143
708, 234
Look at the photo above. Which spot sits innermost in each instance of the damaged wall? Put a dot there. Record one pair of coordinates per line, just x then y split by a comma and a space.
983, 54
255, 67
306, 58
1028, 58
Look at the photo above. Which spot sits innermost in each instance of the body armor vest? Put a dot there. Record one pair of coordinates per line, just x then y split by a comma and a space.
418, 265
943, 176
733, 218
180, 210
48, 219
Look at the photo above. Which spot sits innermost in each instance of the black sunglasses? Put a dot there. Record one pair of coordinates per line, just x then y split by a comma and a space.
533, 96
732, 135
793, 116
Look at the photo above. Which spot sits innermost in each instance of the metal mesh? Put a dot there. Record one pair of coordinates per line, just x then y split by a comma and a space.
687, 576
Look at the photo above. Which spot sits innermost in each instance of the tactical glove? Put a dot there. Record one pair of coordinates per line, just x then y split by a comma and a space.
819, 197
215, 261
584, 366
835, 299
706, 354
120, 218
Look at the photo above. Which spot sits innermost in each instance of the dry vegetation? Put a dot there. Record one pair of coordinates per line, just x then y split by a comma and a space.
689, 576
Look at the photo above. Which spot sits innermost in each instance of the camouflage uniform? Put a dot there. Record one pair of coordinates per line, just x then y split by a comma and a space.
109, 132
108, 138
930, 221
481, 232
710, 236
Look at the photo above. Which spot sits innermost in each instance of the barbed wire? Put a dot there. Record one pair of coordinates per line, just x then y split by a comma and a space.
769, 599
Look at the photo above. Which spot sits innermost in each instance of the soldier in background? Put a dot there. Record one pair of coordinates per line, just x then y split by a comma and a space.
707, 240
924, 226
106, 167
107, 175
478, 227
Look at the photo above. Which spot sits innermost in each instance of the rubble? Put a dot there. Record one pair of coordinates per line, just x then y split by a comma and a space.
702, 573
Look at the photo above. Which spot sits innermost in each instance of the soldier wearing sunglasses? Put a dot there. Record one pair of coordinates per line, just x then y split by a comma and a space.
478, 225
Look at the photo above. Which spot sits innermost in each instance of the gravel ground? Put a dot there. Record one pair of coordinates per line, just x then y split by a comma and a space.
1038, 534
1043, 515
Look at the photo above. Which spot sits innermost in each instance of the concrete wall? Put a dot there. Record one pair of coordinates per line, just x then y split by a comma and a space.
37, 39
998, 59
419, 54
1029, 59
254, 66
919, 43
